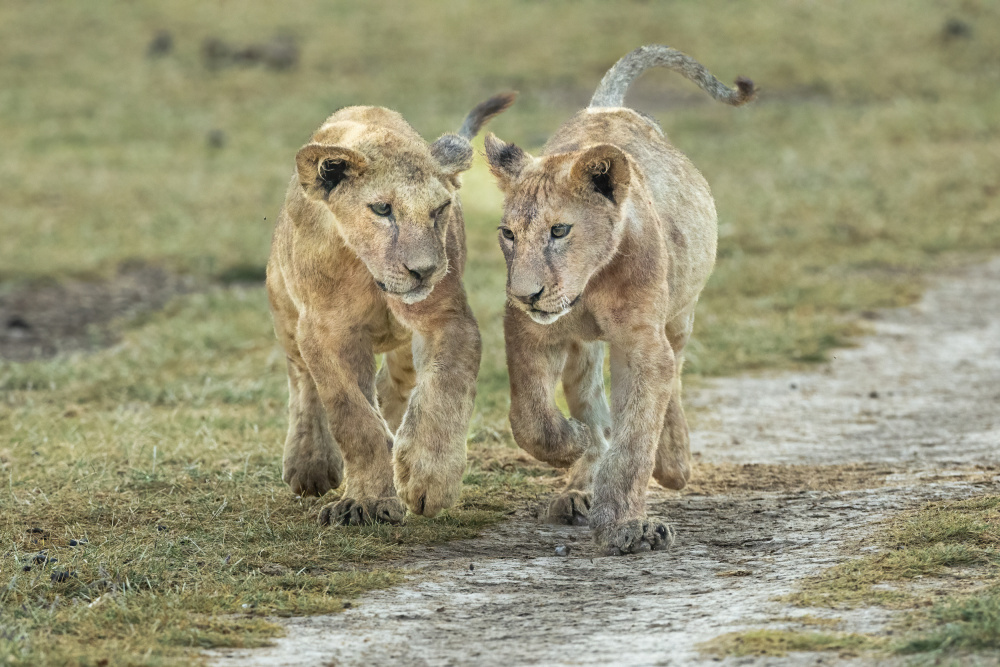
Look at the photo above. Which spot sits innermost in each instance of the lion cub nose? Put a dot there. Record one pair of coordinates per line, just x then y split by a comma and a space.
531, 299
421, 272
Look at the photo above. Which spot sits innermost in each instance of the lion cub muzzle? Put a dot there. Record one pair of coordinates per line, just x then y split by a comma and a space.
417, 263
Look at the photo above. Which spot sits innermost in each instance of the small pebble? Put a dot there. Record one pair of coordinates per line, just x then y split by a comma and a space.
562, 550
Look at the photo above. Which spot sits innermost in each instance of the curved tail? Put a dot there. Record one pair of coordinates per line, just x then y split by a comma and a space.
611, 91
483, 112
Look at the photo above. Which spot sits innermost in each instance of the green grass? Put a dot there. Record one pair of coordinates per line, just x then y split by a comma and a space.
869, 161
962, 623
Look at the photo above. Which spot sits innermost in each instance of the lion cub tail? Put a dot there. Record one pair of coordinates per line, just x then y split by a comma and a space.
453, 151
611, 91
484, 112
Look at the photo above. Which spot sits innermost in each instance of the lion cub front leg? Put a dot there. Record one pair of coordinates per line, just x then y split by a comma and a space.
583, 384
639, 398
342, 365
430, 451
312, 463
534, 365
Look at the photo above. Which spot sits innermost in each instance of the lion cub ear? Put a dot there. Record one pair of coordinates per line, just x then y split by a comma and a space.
453, 153
322, 168
506, 160
603, 169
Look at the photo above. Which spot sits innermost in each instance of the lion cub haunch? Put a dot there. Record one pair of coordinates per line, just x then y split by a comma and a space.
609, 236
367, 258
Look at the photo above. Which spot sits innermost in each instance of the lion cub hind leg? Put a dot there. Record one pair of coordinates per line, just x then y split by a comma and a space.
673, 455
312, 461
395, 381
583, 384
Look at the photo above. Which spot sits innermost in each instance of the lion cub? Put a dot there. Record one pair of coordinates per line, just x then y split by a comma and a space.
367, 258
609, 236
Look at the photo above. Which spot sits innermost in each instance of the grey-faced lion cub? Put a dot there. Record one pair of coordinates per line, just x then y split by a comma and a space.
367, 258
609, 235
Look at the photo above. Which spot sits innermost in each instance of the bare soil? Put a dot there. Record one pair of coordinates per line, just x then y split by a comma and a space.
42, 319
794, 472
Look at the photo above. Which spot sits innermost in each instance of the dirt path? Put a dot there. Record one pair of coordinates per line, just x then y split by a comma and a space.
918, 401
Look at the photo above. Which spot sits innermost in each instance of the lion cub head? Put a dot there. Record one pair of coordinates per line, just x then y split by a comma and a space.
391, 195
563, 217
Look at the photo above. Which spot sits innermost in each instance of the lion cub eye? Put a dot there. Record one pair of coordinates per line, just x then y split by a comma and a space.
507, 234
381, 209
436, 213
559, 231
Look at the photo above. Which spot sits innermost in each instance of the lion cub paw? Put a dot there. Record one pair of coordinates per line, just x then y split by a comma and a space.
636, 536
359, 512
571, 508
427, 489
313, 477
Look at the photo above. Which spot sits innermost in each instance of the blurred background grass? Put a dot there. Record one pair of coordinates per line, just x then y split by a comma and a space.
871, 159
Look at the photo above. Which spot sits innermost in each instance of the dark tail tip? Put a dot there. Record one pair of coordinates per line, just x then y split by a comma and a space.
747, 91
484, 111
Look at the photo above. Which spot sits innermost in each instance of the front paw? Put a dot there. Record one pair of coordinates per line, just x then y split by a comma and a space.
313, 475
362, 511
570, 508
427, 484
635, 536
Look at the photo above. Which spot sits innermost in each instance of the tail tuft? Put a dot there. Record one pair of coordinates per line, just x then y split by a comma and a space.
485, 111
747, 90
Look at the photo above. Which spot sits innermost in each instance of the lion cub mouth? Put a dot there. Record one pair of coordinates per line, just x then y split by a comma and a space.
415, 295
540, 316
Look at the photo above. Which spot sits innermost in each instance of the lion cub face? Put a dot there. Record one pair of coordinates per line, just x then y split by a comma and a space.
391, 203
562, 221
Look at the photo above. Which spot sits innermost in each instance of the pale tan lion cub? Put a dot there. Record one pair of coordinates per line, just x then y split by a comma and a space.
609, 236
367, 257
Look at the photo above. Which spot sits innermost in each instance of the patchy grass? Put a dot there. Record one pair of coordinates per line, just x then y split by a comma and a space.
779, 643
939, 543
144, 514
927, 543
865, 164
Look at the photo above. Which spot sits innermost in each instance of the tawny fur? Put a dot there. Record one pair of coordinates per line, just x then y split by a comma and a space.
609, 236
367, 258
